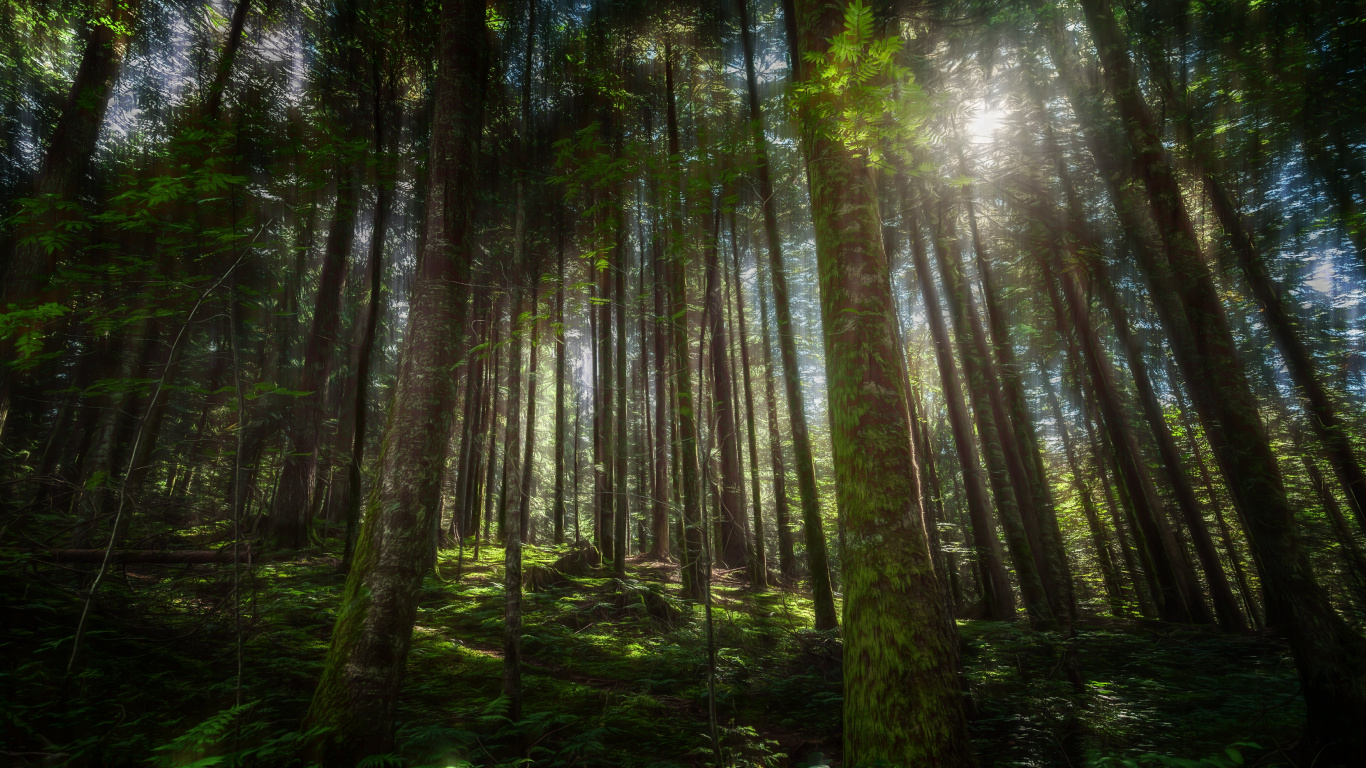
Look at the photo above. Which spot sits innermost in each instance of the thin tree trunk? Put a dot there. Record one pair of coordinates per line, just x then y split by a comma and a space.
561, 362
1100, 538
1176, 588
370, 325
660, 508
787, 561
983, 388
693, 567
760, 555
621, 513
818, 560
998, 600
534, 352
733, 544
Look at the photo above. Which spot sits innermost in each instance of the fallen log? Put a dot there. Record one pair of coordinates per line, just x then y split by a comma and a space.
149, 556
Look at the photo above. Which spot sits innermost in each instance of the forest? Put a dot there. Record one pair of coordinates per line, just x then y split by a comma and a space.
655, 384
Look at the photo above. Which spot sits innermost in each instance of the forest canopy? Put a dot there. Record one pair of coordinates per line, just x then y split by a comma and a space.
622, 383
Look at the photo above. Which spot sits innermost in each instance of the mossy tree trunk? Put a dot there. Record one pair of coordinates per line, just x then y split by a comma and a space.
354, 704
902, 702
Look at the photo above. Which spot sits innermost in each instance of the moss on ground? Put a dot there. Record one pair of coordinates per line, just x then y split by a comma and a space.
615, 675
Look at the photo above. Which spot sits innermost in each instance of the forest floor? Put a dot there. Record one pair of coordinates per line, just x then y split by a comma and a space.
614, 675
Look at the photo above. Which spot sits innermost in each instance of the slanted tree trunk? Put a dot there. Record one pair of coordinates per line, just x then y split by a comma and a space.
1100, 538
983, 388
1277, 314
998, 599
1330, 656
354, 704
214, 101
1177, 591
818, 559
69, 151
1027, 466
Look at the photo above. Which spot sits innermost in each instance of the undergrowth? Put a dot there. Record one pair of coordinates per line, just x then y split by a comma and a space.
614, 675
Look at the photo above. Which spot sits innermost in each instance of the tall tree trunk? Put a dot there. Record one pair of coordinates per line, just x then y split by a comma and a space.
214, 101
1330, 656
491, 425
818, 560
1225, 605
1177, 591
760, 576
997, 444
1025, 457
732, 545
692, 565
370, 326
291, 518
1100, 538
70, 148
1278, 315
354, 704
787, 561
902, 700
660, 330
998, 600
561, 362
605, 458
534, 352
621, 513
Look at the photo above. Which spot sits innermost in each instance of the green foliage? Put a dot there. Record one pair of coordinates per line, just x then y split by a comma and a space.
1231, 757
857, 93
26, 326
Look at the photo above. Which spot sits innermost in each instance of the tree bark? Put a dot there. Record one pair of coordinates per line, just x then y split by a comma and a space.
733, 542
290, 520
354, 704
902, 701
983, 388
998, 598
787, 560
760, 576
1330, 656
692, 565
818, 559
